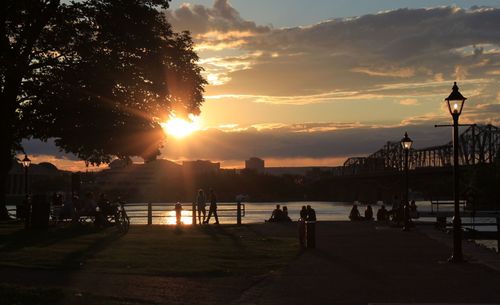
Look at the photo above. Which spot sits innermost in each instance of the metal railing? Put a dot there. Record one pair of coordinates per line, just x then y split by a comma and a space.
151, 211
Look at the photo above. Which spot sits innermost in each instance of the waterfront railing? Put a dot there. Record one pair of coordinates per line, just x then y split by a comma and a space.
151, 211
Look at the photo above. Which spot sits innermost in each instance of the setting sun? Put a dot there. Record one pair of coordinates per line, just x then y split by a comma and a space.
180, 128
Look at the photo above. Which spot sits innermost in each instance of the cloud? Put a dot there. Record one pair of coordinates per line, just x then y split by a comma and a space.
360, 75
344, 55
220, 18
405, 56
370, 51
298, 141
408, 102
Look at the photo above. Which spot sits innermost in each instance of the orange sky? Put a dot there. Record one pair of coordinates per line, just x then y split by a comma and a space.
321, 90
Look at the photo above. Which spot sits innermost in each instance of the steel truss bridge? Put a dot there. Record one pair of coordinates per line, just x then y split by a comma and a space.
478, 144
379, 176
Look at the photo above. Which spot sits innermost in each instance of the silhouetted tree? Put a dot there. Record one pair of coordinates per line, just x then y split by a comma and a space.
96, 75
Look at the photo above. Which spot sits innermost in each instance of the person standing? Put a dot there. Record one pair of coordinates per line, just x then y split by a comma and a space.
302, 227
201, 200
310, 227
303, 213
178, 213
213, 207
311, 214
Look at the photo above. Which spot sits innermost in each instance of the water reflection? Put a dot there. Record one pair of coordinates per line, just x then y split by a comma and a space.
168, 218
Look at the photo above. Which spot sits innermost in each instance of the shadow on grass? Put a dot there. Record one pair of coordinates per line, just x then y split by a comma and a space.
78, 241
21, 238
77, 259
216, 231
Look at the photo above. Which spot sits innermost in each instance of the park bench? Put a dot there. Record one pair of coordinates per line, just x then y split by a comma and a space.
116, 216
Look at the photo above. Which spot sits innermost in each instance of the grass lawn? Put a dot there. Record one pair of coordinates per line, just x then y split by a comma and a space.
14, 295
209, 254
156, 250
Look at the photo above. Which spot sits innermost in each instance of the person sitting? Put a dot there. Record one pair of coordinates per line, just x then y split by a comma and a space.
382, 214
354, 214
277, 214
57, 200
68, 208
368, 213
285, 215
105, 205
89, 205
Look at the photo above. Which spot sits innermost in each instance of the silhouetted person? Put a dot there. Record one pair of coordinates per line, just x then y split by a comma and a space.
382, 214
310, 227
57, 200
413, 209
277, 214
104, 205
89, 204
285, 215
213, 207
302, 226
201, 200
311, 214
178, 213
67, 210
354, 214
368, 213
303, 213
407, 216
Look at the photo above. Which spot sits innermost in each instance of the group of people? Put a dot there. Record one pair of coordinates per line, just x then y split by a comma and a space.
201, 207
307, 213
398, 214
280, 215
355, 215
73, 207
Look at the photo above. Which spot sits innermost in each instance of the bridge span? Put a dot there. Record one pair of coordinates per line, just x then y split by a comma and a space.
379, 176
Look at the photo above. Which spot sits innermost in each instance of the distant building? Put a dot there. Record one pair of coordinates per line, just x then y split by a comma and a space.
200, 167
149, 181
255, 164
44, 177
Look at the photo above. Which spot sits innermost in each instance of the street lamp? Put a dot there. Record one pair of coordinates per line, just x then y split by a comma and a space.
406, 143
26, 163
455, 104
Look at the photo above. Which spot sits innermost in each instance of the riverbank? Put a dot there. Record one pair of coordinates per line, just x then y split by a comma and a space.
354, 263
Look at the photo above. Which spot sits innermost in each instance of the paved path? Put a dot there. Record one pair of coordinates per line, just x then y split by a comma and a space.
361, 263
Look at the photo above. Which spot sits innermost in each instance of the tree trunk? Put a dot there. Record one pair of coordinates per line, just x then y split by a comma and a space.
8, 99
5, 166
4, 176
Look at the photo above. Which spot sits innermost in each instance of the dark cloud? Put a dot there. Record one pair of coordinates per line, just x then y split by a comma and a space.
297, 141
365, 53
36, 147
221, 17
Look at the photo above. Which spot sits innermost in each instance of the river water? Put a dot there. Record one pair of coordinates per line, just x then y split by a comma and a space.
258, 212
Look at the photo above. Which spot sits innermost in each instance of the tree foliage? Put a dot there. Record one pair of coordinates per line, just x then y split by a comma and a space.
97, 75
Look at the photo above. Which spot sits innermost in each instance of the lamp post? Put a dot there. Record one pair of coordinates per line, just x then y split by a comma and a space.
26, 164
406, 143
455, 102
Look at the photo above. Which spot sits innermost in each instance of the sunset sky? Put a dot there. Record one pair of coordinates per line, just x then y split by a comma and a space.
313, 82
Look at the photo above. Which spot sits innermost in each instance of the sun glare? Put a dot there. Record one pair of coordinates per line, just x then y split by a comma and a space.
169, 218
180, 128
